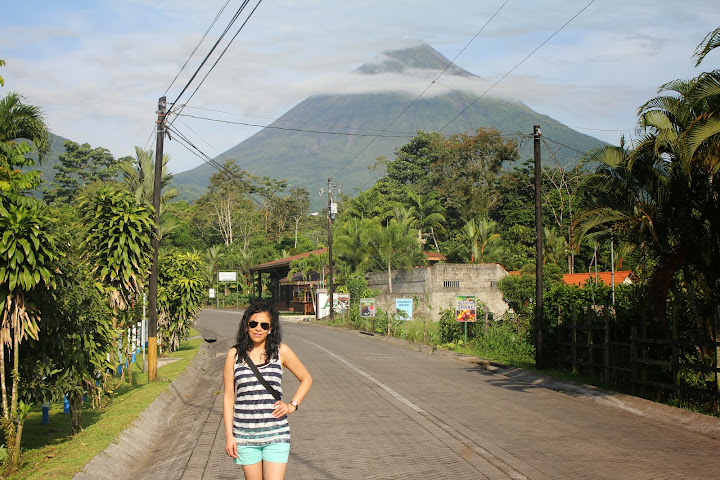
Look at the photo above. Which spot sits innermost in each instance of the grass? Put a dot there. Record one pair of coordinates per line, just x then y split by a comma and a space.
49, 452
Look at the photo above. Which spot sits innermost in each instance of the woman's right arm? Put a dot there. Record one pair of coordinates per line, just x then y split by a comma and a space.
229, 403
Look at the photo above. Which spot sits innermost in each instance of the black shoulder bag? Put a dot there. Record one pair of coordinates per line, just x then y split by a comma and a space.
262, 380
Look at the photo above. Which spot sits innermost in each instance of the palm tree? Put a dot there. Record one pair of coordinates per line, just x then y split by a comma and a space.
706, 128
429, 212
139, 176
393, 246
19, 120
554, 246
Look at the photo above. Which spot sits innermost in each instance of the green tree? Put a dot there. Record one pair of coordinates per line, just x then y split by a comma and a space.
430, 214
117, 246
28, 254
80, 166
467, 175
77, 338
139, 175
19, 121
181, 292
394, 246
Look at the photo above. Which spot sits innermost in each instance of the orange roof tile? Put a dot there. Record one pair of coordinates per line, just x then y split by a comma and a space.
580, 279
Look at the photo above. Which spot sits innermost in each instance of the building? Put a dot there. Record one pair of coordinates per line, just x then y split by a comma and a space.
436, 287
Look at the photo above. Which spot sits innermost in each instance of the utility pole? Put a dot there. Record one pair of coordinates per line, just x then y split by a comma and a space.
538, 252
153, 287
330, 217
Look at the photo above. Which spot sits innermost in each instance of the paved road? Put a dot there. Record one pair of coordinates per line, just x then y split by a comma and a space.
379, 410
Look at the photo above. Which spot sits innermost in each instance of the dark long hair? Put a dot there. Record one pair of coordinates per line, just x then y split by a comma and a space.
243, 343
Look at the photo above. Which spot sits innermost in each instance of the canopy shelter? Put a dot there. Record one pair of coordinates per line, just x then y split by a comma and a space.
289, 293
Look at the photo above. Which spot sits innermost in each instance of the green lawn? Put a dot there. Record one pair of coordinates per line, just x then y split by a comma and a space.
49, 452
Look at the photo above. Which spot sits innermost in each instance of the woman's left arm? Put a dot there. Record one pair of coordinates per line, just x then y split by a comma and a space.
291, 361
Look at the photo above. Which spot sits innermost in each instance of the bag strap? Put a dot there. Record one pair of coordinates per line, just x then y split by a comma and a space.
262, 380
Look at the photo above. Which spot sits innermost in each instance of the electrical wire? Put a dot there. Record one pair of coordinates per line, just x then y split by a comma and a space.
207, 57
423, 92
534, 119
516, 66
408, 135
224, 50
283, 120
222, 9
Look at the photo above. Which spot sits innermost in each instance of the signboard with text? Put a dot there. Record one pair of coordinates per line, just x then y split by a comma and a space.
403, 308
367, 307
227, 276
465, 308
341, 302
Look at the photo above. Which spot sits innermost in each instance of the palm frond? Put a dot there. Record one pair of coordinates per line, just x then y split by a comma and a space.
710, 42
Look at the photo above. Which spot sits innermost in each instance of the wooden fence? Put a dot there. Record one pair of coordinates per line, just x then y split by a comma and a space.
631, 360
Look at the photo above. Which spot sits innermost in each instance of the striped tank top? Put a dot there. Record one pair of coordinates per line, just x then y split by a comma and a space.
253, 423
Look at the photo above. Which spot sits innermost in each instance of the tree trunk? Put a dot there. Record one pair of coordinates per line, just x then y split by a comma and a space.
389, 278
75, 400
15, 375
5, 411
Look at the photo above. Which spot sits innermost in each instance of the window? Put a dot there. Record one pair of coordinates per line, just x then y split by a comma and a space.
493, 283
451, 284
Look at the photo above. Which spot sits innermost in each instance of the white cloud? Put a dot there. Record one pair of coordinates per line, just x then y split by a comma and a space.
99, 71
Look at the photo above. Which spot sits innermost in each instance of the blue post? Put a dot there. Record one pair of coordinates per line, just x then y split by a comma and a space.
45, 413
66, 405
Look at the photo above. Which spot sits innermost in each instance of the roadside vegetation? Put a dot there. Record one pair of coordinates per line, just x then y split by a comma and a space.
74, 249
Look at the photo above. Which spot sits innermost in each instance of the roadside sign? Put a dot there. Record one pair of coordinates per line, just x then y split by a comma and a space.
367, 307
227, 276
404, 308
465, 308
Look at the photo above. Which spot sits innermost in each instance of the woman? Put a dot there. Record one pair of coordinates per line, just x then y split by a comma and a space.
257, 434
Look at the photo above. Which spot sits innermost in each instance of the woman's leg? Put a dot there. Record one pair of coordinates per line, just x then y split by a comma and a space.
273, 470
254, 471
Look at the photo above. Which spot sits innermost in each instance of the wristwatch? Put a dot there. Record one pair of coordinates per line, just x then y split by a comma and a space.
294, 404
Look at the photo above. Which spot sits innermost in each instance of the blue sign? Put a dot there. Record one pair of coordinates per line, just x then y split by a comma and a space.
403, 308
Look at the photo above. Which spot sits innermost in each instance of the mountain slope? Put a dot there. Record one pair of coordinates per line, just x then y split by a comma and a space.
307, 158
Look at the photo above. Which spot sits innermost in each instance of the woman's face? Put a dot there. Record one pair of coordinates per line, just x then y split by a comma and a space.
258, 334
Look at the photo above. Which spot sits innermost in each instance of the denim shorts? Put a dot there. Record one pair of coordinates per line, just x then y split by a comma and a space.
274, 452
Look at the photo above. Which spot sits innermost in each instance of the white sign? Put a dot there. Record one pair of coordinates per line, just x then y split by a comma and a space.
323, 305
227, 276
211, 293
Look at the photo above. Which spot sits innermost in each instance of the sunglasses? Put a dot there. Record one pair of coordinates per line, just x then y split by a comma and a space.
264, 325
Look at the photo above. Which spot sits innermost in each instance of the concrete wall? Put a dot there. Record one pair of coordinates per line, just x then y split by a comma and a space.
437, 286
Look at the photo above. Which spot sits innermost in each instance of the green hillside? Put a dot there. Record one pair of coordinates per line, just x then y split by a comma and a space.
308, 159
324, 149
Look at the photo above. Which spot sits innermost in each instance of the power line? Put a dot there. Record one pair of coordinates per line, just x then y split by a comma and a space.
408, 135
283, 120
516, 66
222, 9
207, 57
426, 89
535, 119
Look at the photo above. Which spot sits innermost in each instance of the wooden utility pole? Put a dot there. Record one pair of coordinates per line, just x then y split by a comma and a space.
538, 252
153, 286
331, 286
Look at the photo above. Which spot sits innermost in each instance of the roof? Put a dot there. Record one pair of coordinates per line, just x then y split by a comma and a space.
579, 279
434, 256
285, 262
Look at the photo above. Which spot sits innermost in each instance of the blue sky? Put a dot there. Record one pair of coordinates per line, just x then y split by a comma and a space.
97, 68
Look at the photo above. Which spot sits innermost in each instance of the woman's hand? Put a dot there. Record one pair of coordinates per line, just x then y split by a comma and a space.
282, 408
231, 447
